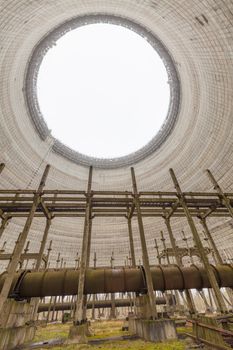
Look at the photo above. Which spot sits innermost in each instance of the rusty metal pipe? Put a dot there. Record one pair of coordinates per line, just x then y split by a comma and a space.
43, 307
65, 281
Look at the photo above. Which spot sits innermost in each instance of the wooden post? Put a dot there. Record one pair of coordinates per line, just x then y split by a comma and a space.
205, 261
21, 241
145, 257
78, 315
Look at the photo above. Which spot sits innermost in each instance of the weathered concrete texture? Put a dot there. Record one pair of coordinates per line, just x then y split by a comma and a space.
78, 334
15, 336
153, 330
16, 325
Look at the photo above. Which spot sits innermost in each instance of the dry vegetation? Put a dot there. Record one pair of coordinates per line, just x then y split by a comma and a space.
102, 329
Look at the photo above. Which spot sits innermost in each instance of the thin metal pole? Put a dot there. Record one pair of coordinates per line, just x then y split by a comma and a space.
4, 223
188, 293
210, 273
131, 243
113, 306
157, 250
2, 166
210, 238
216, 252
145, 256
21, 241
43, 243
225, 200
48, 254
94, 295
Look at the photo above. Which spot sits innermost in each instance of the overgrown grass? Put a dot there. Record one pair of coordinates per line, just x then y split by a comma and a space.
52, 331
126, 345
102, 329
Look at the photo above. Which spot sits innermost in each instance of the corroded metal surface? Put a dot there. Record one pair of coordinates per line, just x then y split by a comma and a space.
65, 281
101, 304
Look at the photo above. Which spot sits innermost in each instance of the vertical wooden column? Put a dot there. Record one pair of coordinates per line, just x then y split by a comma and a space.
205, 261
21, 241
145, 258
78, 315
43, 243
225, 200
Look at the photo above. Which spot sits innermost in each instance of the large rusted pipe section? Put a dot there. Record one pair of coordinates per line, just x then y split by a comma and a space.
65, 281
43, 307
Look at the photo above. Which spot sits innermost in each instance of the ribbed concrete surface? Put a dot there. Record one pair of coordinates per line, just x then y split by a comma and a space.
199, 36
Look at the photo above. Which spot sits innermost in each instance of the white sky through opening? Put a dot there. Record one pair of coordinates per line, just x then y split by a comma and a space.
103, 90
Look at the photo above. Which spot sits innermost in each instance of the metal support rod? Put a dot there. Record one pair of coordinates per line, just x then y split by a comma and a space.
94, 296
113, 308
145, 256
48, 254
169, 262
78, 314
21, 241
43, 243
210, 238
157, 250
188, 294
2, 166
215, 250
225, 200
131, 243
212, 278
4, 223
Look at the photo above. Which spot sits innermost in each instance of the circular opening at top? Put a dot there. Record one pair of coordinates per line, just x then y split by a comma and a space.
103, 90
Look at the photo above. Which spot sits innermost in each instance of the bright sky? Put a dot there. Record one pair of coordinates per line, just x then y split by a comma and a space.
103, 90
